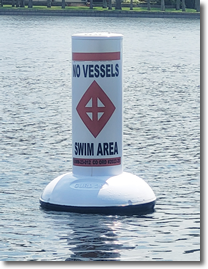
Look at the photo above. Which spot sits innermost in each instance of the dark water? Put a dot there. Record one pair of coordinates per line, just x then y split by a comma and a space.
161, 140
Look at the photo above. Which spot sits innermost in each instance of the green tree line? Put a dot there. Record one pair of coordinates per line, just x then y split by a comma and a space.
179, 4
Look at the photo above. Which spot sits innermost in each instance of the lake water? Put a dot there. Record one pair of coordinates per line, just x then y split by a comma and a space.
161, 140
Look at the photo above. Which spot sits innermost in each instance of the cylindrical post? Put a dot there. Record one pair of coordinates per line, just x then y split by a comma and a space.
97, 104
97, 183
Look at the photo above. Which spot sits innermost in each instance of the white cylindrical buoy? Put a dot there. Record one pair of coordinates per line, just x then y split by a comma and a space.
97, 183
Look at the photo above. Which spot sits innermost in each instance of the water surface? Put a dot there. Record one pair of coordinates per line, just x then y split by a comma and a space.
161, 140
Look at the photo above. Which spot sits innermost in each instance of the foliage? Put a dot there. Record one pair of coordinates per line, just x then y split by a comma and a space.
189, 3
86, 8
167, 2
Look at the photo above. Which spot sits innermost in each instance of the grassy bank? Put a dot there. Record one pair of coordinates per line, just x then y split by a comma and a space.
86, 8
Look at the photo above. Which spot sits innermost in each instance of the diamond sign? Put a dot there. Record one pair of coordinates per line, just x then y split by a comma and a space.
95, 108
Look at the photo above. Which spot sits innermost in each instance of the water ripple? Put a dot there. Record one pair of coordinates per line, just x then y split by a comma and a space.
161, 140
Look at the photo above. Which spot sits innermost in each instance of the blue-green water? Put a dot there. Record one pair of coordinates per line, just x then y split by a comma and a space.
161, 139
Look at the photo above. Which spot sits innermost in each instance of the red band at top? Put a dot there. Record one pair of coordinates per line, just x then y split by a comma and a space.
96, 56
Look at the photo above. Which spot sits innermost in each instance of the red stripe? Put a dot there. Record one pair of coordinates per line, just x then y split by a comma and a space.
96, 162
96, 56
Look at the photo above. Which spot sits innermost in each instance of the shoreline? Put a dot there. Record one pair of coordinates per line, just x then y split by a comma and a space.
96, 13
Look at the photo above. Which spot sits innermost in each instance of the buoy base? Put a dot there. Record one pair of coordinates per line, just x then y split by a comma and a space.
103, 210
122, 194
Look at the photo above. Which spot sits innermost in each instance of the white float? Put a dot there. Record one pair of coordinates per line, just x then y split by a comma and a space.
97, 183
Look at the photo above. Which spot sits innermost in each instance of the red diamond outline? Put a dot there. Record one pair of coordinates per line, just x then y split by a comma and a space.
95, 125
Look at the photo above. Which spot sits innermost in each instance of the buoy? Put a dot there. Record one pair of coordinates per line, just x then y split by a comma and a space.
97, 183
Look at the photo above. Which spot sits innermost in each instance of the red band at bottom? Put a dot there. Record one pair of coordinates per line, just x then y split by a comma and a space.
96, 162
